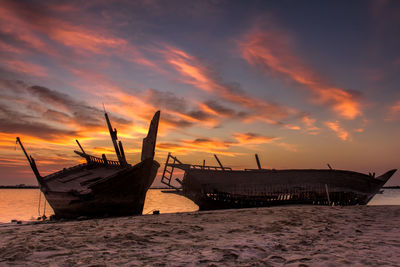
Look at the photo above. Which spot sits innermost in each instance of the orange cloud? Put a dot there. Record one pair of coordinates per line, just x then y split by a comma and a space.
197, 145
310, 124
292, 127
252, 138
244, 139
177, 112
211, 145
288, 147
396, 107
271, 51
340, 132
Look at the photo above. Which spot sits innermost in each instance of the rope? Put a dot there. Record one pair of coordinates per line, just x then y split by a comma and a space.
40, 196
44, 210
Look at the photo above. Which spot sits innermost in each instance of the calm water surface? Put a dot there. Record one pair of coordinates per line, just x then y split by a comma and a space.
23, 204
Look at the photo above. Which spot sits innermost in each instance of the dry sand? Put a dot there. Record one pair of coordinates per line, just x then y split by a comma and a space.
294, 236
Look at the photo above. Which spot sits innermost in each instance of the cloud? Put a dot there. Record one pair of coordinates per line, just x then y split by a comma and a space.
396, 107
288, 147
7, 48
177, 112
67, 35
80, 112
194, 72
180, 108
45, 113
166, 100
271, 51
394, 112
292, 127
24, 67
309, 123
226, 147
208, 145
248, 139
337, 128
215, 108
252, 138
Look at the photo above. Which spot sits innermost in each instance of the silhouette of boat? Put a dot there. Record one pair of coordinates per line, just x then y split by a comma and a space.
219, 187
101, 187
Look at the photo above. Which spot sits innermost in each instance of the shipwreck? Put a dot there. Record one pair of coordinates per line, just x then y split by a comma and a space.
220, 187
101, 187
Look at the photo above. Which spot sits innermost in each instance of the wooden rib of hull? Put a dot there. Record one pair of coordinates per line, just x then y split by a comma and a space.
216, 189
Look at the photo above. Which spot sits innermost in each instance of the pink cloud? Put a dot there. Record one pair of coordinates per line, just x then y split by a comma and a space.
271, 52
393, 113
25, 67
194, 72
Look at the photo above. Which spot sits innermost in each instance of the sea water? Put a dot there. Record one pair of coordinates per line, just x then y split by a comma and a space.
29, 204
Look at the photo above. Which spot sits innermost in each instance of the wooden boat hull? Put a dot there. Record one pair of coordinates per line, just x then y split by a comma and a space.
222, 189
101, 187
121, 193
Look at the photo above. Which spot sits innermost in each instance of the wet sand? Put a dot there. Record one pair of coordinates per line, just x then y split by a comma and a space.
293, 236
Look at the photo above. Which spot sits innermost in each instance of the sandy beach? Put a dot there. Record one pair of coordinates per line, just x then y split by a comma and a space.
293, 236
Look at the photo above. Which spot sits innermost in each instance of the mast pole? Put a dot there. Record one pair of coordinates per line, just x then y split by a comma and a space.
114, 138
23, 149
219, 162
31, 163
83, 151
121, 150
258, 162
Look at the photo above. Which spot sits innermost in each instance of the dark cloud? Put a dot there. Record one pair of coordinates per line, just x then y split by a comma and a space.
166, 100
80, 112
56, 116
225, 111
218, 108
34, 110
198, 114
169, 101
16, 86
12, 121
178, 123
201, 140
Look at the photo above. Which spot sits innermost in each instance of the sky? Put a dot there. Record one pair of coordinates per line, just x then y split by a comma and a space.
300, 83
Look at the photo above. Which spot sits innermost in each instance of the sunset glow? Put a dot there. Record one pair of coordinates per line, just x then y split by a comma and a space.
299, 88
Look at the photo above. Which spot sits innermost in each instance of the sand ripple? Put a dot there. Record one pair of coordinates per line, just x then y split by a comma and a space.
290, 236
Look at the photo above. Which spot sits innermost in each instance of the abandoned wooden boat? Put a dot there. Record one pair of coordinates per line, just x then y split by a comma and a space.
219, 187
101, 187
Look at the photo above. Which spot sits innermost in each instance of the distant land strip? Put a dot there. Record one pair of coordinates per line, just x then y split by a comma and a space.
23, 186
19, 186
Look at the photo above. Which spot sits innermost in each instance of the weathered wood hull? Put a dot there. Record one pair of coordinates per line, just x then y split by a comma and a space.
222, 189
115, 191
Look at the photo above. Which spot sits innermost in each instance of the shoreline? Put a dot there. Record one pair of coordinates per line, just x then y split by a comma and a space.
37, 187
292, 235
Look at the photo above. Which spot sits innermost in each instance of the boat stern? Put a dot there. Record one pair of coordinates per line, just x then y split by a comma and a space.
386, 176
